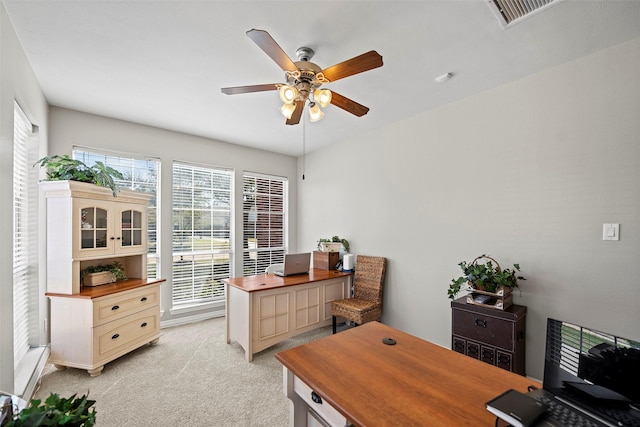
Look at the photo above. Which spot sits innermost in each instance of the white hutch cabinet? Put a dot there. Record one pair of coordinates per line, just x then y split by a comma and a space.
87, 226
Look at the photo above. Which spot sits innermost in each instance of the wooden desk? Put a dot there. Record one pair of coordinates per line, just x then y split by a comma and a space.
367, 383
265, 309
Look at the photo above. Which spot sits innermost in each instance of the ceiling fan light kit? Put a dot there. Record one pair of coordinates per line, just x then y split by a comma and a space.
304, 79
315, 113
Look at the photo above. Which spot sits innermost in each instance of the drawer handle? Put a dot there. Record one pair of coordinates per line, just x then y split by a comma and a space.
316, 398
115, 307
143, 325
115, 336
143, 299
481, 322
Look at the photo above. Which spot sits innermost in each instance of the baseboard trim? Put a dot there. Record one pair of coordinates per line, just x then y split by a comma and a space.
194, 318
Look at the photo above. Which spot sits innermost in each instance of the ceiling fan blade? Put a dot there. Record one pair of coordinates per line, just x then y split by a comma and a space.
248, 89
271, 48
365, 62
348, 105
297, 113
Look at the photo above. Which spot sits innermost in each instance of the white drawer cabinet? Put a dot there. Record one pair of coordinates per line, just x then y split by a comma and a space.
258, 319
92, 331
87, 227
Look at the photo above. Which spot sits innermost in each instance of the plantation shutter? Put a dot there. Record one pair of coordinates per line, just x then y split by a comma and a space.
264, 201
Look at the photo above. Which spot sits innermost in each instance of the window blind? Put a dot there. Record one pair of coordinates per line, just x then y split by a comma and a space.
22, 275
202, 249
264, 200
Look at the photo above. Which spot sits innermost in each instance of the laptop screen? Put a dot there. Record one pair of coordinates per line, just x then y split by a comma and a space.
595, 367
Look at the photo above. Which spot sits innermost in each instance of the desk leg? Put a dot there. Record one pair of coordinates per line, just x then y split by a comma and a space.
239, 319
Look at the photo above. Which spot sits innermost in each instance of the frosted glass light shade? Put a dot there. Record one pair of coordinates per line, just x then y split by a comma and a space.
287, 110
322, 97
315, 113
288, 94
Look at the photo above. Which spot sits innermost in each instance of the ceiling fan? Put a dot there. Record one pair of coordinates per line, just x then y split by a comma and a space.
304, 80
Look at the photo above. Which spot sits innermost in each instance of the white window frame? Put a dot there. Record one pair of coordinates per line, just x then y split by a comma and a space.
29, 308
201, 258
130, 165
263, 202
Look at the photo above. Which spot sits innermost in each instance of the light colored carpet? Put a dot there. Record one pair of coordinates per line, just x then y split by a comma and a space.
192, 377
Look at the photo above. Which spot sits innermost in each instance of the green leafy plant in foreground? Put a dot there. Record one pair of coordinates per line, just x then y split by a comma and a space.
56, 411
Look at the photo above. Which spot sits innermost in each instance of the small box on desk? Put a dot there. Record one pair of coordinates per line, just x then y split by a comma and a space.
325, 260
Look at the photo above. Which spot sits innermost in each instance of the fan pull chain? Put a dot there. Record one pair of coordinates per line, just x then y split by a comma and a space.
304, 133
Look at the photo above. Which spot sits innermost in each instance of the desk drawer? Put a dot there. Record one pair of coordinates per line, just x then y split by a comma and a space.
123, 304
123, 335
485, 329
327, 412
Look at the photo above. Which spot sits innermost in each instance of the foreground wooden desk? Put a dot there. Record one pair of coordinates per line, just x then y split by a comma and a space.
363, 382
265, 309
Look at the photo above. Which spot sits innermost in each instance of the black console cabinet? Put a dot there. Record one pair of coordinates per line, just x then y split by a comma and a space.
494, 336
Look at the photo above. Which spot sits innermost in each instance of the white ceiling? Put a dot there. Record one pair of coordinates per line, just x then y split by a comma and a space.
162, 63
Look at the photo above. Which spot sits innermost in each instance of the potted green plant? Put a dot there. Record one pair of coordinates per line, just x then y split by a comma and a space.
333, 244
487, 277
115, 274
56, 411
63, 168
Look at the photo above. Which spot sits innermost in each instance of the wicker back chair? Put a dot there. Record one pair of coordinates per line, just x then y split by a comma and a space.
368, 283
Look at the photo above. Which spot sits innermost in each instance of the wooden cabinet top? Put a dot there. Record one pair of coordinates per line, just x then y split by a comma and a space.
91, 191
105, 290
261, 282
511, 313
413, 382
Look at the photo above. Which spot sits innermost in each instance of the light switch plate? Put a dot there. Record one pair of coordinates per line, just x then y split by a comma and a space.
610, 231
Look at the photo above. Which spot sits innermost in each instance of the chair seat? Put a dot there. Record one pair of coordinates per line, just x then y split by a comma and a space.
356, 309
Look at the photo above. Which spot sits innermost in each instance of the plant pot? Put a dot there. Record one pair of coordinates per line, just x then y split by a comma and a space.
97, 279
502, 291
330, 246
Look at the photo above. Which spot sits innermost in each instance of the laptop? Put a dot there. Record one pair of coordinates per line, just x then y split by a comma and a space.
295, 264
591, 378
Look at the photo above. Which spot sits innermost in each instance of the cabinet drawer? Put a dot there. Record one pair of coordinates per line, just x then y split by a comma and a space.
486, 329
124, 303
122, 335
327, 412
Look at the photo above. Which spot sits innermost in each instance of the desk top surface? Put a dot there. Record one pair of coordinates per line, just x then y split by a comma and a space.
261, 282
413, 382
91, 292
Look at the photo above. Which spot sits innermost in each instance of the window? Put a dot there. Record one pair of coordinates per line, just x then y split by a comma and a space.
264, 224
202, 249
25, 255
140, 174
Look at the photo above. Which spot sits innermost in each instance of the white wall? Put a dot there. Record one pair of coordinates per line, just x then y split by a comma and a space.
527, 173
72, 128
17, 82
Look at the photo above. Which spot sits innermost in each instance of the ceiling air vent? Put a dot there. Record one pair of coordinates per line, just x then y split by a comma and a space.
513, 10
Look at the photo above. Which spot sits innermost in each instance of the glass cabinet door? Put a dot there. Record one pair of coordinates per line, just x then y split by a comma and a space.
93, 227
131, 228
